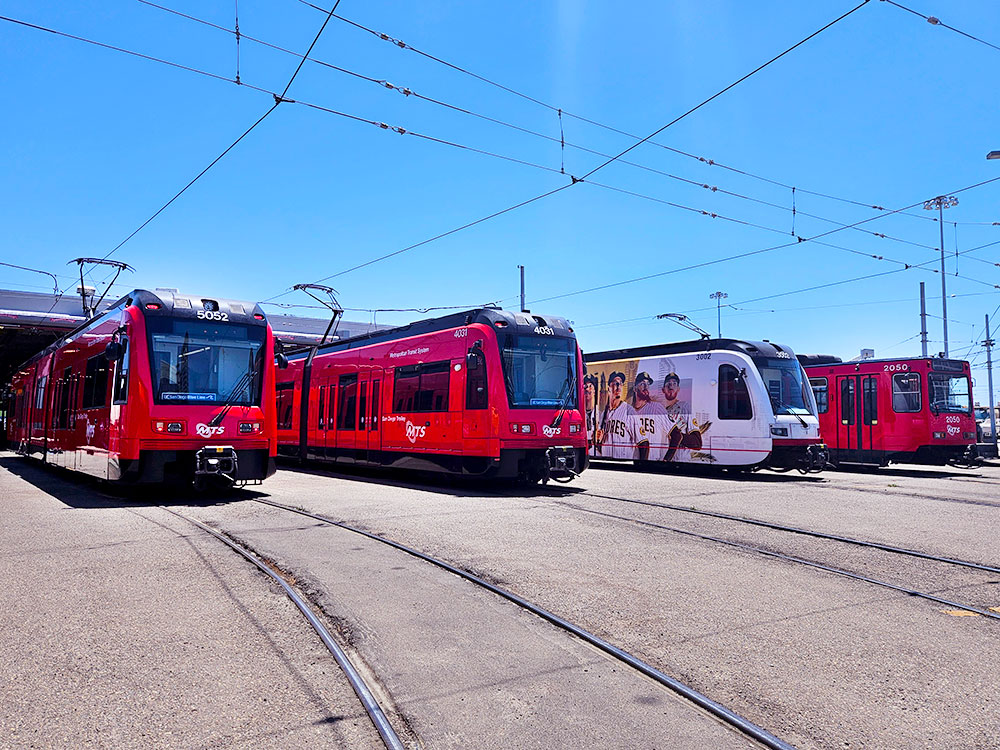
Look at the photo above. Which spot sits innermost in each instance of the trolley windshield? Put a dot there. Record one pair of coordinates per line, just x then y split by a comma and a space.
194, 362
539, 371
787, 385
949, 393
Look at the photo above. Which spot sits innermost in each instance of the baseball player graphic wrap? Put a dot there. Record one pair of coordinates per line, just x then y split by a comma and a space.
620, 437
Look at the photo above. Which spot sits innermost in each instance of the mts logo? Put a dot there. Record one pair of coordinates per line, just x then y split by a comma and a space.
414, 431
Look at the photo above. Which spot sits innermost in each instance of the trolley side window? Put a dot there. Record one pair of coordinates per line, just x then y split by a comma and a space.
475, 379
363, 407
906, 392
95, 383
734, 396
285, 397
375, 396
847, 406
869, 404
821, 390
322, 408
347, 403
421, 388
120, 395
38, 416
65, 401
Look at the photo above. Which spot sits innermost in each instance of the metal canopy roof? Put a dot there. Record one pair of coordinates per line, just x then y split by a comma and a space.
30, 321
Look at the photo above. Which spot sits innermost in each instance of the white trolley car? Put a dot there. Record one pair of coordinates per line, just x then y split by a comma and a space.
722, 402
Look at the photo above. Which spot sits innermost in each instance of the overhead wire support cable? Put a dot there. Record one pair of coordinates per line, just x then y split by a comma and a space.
934, 21
55, 281
575, 180
278, 99
561, 140
710, 162
727, 88
707, 161
755, 252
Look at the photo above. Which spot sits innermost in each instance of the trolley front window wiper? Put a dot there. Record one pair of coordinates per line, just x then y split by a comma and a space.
570, 385
789, 409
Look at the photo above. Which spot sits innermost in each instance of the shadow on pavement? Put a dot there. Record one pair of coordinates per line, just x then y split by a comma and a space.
711, 472
457, 486
904, 471
81, 491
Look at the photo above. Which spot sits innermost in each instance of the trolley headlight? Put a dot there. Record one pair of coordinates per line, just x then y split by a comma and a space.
939, 435
779, 431
525, 428
574, 428
163, 427
250, 428
969, 435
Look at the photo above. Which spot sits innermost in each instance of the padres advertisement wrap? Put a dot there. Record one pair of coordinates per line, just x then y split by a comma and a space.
641, 409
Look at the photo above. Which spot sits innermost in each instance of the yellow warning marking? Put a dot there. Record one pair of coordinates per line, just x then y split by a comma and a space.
961, 612
993, 609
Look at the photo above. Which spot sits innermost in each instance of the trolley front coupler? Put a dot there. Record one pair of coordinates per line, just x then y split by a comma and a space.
560, 464
216, 460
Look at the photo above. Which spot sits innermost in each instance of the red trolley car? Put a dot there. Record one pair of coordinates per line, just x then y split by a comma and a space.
877, 411
485, 392
162, 386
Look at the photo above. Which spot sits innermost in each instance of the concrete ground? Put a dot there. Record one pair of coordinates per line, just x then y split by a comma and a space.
121, 626
820, 660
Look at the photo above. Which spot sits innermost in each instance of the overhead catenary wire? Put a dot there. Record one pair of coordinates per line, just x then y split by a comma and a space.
934, 21
55, 281
512, 159
384, 126
278, 99
576, 180
742, 311
409, 92
563, 143
563, 112
748, 253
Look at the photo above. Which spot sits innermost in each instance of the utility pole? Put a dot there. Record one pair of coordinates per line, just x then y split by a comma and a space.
941, 203
718, 297
522, 289
923, 322
989, 378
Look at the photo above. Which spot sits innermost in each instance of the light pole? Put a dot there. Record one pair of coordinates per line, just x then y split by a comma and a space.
718, 297
941, 203
989, 343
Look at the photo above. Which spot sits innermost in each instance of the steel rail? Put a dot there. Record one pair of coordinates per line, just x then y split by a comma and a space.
716, 709
364, 693
789, 558
804, 532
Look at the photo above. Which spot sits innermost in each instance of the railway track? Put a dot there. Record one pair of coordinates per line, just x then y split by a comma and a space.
364, 692
724, 714
890, 549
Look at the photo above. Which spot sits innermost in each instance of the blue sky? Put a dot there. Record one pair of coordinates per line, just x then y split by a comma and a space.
881, 109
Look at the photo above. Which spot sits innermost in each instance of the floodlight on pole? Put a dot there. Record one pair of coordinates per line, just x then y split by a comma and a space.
718, 297
941, 203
